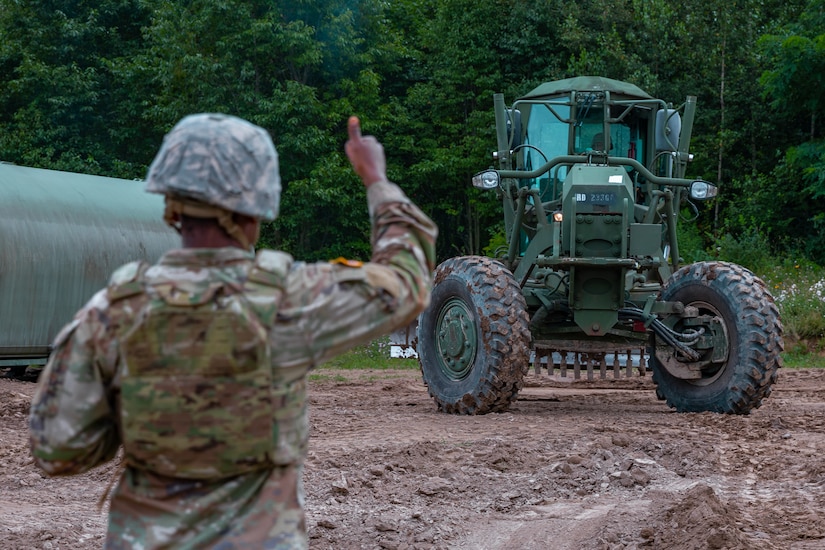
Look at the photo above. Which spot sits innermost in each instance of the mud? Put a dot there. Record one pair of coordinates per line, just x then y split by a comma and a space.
572, 465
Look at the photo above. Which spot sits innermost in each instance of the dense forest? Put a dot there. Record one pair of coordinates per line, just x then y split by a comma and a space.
92, 86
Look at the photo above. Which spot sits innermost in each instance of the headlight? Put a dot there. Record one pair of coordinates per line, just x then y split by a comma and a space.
702, 190
487, 179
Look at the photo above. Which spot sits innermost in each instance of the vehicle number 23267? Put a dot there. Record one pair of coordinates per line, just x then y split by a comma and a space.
596, 198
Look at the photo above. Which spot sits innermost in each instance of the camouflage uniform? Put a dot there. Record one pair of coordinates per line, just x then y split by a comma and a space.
100, 371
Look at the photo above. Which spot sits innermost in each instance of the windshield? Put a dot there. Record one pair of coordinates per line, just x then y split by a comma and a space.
589, 131
546, 138
546, 133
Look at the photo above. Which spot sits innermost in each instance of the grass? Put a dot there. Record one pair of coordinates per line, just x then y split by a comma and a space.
799, 290
802, 360
375, 356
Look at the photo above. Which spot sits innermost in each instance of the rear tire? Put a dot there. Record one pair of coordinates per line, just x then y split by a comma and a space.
754, 336
474, 338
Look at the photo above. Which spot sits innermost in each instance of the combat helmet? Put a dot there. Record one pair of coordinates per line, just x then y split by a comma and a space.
212, 165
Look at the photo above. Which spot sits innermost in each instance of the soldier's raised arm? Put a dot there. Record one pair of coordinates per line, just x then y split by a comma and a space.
329, 308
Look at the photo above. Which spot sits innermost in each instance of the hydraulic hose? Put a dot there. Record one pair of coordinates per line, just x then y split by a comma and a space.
681, 341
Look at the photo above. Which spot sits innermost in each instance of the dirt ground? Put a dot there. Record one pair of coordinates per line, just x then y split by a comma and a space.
572, 465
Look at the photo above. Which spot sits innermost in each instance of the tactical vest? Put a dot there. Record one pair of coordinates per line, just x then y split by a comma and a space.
198, 397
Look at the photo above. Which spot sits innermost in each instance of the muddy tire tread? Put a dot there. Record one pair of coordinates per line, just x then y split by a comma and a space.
504, 328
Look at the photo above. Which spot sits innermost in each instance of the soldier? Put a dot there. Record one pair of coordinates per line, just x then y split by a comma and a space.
598, 142
197, 365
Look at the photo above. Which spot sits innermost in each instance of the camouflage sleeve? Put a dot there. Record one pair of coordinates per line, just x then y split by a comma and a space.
71, 424
330, 308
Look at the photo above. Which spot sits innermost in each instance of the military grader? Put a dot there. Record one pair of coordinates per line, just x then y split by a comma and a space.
591, 178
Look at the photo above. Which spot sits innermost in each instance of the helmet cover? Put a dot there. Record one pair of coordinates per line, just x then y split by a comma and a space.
220, 160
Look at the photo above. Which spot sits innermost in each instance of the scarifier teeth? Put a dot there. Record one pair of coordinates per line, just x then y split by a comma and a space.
621, 363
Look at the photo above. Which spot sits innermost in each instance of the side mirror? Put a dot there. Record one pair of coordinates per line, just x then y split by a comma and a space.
514, 127
668, 128
702, 190
488, 179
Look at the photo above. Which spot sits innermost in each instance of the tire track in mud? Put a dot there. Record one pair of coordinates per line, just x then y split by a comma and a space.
778, 479
580, 466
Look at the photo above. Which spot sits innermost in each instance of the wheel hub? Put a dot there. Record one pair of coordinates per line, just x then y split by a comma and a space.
457, 341
715, 350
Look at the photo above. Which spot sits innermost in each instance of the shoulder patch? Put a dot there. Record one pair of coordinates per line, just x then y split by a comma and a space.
270, 268
125, 281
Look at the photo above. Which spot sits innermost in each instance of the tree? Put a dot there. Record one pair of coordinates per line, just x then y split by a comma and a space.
58, 94
93, 86
294, 68
794, 83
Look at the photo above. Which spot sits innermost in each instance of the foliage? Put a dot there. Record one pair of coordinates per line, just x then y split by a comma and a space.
58, 92
750, 249
795, 78
93, 86
799, 290
497, 247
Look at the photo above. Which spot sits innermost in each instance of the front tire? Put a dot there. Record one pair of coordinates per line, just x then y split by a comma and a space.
474, 338
753, 331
